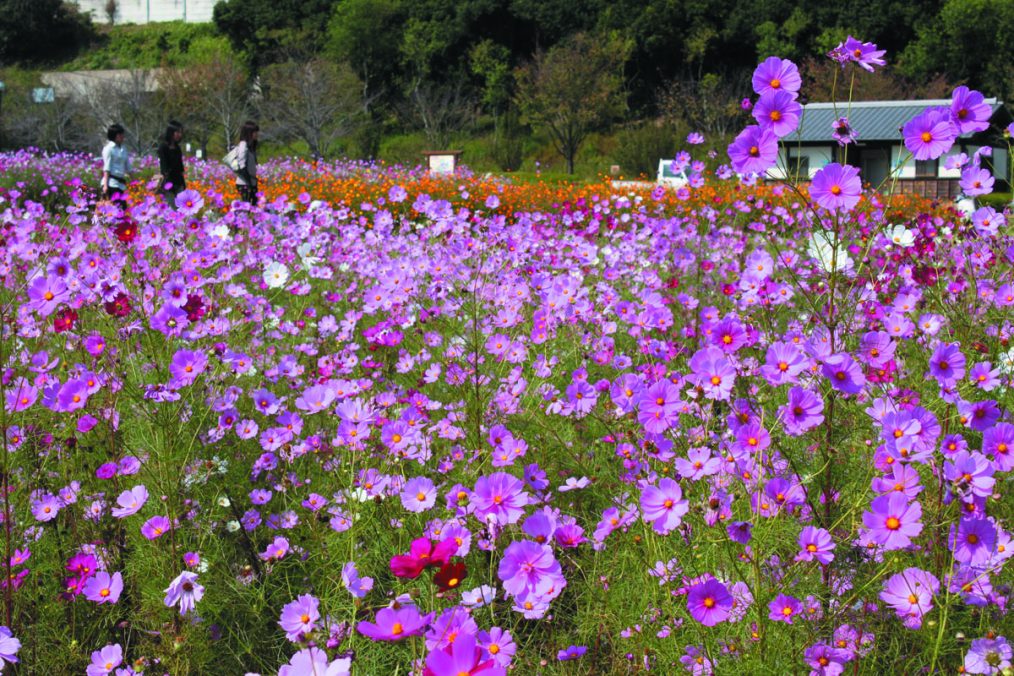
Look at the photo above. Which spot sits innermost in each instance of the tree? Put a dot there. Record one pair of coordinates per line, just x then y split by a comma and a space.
710, 105
128, 101
440, 108
317, 102
267, 30
352, 38
970, 41
41, 30
574, 89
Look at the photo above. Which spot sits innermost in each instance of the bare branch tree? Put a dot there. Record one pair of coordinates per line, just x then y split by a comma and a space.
129, 100
440, 108
317, 101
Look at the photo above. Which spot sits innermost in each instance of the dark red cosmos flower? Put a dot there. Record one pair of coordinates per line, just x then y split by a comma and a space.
450, 576
126, 231
64, 320
119, 306
194, 307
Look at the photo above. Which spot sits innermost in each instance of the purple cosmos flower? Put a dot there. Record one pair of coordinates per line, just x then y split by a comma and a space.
930, 134
709, 602
865, 54
976, 181
837, 187
778, 111
530, 568
45, 294
783, 363
106, 660
46, 507
419, 494
695, 138
803, 411
893, 521
775, 74
755, 150
184, 591
998, 441
574, 652
843, 132
910, 594
844, 373
299, 617
314, 661
278, 548
947, 364
103, 587
20, 395
500, 497
463, 657
988, 656
970, 474
359, 587
189, 202
784, 608
974, 541
713, 373
815, 544
969, 110
663, 507
130, 502
658, 406
156, 527
394, 625
825, 660
185, 366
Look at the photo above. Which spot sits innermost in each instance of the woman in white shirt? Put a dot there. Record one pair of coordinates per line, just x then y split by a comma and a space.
246, 156
115, 164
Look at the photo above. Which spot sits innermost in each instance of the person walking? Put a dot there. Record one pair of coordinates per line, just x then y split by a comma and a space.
246, 162
115, 164
170, 163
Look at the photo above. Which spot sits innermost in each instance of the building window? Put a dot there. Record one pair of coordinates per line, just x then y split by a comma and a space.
926, 168
798, 165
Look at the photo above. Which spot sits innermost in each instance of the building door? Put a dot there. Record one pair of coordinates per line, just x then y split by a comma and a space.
874, 166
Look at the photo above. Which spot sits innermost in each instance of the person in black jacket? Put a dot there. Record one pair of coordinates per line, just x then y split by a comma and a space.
246, 154
170, 163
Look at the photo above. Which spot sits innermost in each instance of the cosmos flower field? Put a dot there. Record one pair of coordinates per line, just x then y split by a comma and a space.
383, 423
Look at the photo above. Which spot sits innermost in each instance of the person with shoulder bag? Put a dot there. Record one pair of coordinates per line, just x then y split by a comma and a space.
244, 162
171, 179
115, 165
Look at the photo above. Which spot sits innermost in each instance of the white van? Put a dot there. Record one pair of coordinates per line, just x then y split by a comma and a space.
669, 178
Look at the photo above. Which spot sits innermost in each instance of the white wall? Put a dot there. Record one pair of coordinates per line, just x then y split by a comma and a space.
145, 11
818, 156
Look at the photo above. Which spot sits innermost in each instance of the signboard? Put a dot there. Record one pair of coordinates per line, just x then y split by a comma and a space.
442, 162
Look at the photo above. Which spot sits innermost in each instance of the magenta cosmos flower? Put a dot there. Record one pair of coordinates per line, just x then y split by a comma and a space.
775, 74
815, 544
461, 658
784, 608
663, 507
299, 617
709, 602
778, 111
893, 521
930, 134
103, 587
314, 661
394, 625
754, 151
184, 591
836, 187
499, 497
423, 554
713, 373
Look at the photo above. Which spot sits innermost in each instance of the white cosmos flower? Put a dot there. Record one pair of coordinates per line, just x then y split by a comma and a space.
220, 231
275, 275
305, 258
1007, 363
822, 249
899, 235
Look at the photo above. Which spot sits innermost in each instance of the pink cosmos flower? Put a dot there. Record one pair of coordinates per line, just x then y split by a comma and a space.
395, 625
130, 502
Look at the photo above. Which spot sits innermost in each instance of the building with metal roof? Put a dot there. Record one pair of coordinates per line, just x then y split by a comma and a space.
879, 150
